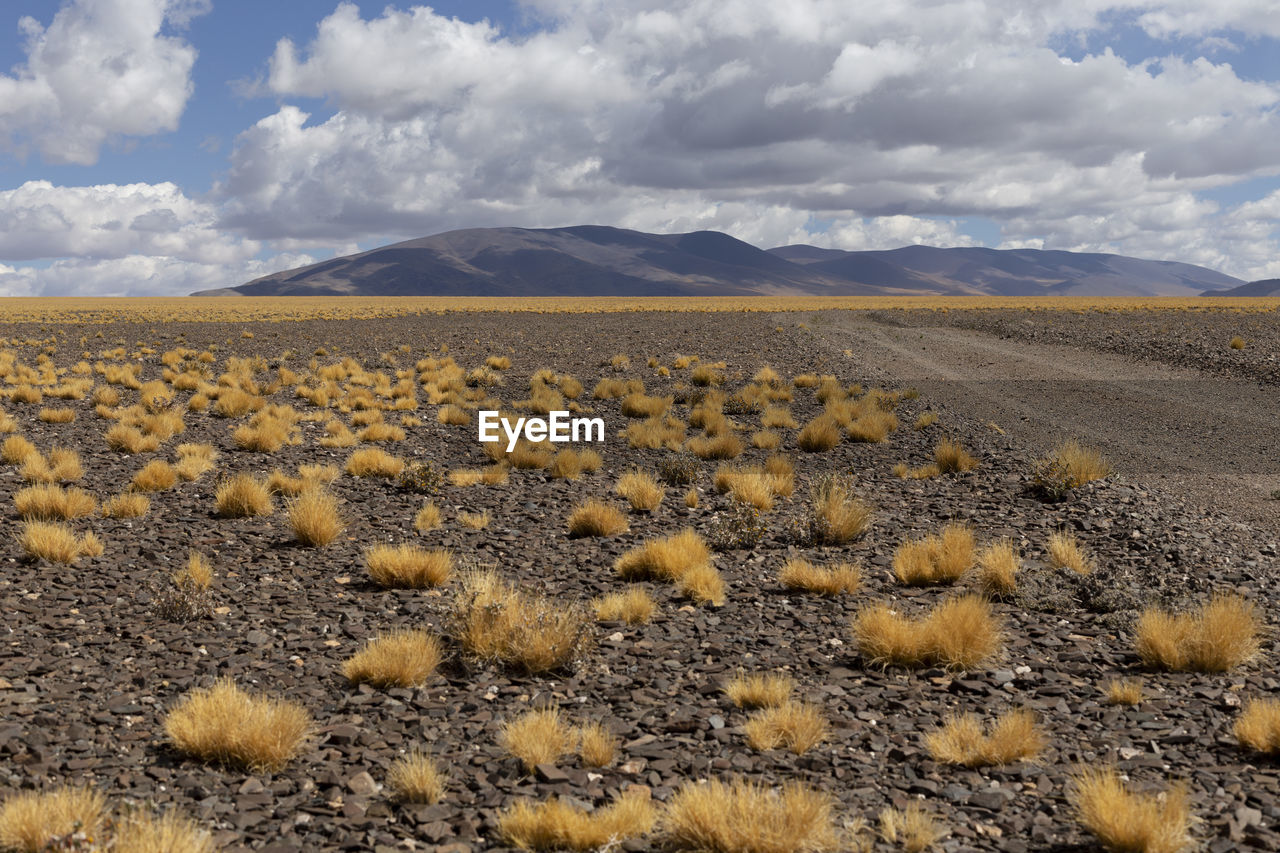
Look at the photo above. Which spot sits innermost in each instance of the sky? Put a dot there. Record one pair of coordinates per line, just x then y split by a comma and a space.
156, 147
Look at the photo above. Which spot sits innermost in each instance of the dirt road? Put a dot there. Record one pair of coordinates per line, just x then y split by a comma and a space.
1215, 441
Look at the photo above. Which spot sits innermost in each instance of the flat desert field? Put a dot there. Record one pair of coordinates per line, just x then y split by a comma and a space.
909, 577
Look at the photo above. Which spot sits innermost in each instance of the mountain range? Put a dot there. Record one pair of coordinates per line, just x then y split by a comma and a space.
597, 260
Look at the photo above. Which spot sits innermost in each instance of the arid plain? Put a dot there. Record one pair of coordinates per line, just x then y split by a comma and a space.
841, 576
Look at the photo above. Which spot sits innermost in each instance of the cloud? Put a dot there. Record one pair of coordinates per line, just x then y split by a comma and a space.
102, 69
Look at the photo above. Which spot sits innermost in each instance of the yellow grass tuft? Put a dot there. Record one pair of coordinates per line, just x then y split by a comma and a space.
749, 817
493, 620
427, 518
1128, 822
1218, 637
1258, 726
691, 498
197, 574
130, 439
242, 496
373, 462
951, 457
539, 736
723, 446
913, 828
416, 778
194, 460
596, 518
963, 740
998, 568
156, 476
766, 439
49, 502
474, 520
141, 832
16, 450
557, 825
634, 606
838, 516
32, 821
800, 574
1236, 342
56, 542
703, 584
126, 505
640, 489
795, 726
759, 689
960, 633
397, 659
1065, 552
314, 518
938, 559
777, 417
57, 416
1127, 691
667, 559
925, 420
408, 566
1076, 464
597, 746
223, 724
819, 435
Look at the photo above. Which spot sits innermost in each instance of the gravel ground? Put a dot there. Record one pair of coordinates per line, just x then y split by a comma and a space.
88, 668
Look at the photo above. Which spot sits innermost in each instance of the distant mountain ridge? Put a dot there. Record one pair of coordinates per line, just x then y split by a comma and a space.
1263, 287
598, 260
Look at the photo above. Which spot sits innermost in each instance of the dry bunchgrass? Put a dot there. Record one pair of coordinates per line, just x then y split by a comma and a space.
1124, 691
951, 457
963, 740
57, 416
667, 559
759, 689
1236, 342
57, 543
766, 439
314, 518
1258, 726
130, 439
597, 746
800, 574
691, 498
998, 568
777, 417
960, 633
1065, 552
453, 415
1078, 464
493, 620
397, 659
566, 465
1218, 637
242, 496
49, 502
32, 821
196, 574
416, 778
539, 736
792, 725
408, 566
427, 518
156, 476
558, 825
223, 724
660, 432
925, 420
373, 462
474, 520
634, 606
194, 460
126, 505
723, 446
640, 489
942, 558
749, 817
16, 450
819, 435
872, 426
837, 516
142, 832
596, 518
1127, 822
528, 457
703, 585
912, 828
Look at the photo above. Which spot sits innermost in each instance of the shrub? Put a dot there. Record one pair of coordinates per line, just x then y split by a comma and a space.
242, 496
937, 559
1218, 637
759, 689
156, 476
373, 462
398, 659
416, 778
959, 633
749, 817
653, 433
819, 435
678, 470
314, 518
795, 726
408, 566
1065, 552
951, 457
48, 502
539, 736
634, 606
1258, 726
1236, 342
127, 505
420, 477
224, 725
492, 620
453, 415
998, 568
557, 825
1122, 820
32, 821
640, 489
800, 574
596, 518
838, 516
741, 526
962, 740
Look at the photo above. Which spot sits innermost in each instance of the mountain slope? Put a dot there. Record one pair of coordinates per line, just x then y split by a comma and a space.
597, 260
1263, 287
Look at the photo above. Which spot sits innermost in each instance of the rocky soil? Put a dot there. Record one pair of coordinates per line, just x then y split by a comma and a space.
88, 667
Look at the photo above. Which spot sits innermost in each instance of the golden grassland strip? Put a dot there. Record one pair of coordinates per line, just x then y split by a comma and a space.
241, 309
